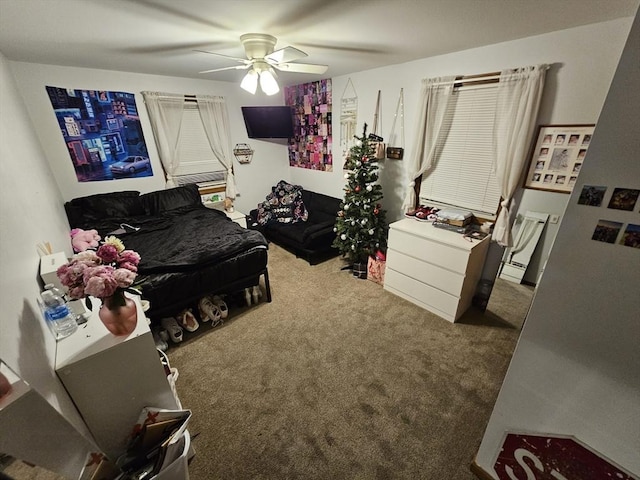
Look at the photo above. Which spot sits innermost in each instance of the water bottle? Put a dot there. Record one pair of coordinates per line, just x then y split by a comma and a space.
57, 314
73, 305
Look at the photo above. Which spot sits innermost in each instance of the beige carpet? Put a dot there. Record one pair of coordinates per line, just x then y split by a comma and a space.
338, 379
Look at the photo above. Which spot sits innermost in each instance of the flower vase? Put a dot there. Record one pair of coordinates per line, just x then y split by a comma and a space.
118, 313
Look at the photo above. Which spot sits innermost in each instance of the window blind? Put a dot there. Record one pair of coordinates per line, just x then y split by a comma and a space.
197, 161
462, 174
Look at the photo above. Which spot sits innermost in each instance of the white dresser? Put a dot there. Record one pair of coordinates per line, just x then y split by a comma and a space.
111, 379
434, 268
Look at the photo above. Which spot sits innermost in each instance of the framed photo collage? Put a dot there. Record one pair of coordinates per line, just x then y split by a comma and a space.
557, 157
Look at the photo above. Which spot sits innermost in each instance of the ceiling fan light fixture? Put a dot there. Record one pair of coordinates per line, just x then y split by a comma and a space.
250, 82
268, 82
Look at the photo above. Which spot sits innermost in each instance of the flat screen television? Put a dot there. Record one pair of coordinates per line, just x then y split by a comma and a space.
268, 121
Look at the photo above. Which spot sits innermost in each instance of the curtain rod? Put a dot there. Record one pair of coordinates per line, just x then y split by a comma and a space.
187, 98
479, 79
483, 78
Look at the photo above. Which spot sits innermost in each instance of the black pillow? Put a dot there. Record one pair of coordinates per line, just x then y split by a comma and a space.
106, 205
170, 199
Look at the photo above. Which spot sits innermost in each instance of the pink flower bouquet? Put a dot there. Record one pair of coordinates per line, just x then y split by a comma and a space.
102, 273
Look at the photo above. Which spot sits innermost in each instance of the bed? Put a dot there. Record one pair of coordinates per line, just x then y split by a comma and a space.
187, 250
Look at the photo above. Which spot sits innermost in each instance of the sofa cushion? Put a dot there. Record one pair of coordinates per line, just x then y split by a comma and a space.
171, 199
318, 202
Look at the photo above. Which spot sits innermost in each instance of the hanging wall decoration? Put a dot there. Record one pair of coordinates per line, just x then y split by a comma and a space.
557, 157
102, 132
311, 145
348, 118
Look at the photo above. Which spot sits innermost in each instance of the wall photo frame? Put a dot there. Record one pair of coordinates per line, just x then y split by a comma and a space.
557, 157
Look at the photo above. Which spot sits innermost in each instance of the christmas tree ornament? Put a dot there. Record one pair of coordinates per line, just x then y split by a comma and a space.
357, 189
369, 188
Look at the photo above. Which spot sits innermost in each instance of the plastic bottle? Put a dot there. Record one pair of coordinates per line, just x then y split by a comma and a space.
58, 316
79, 318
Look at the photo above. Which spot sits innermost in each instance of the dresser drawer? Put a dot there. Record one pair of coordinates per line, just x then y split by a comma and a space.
438, 254
421, 294
425, 272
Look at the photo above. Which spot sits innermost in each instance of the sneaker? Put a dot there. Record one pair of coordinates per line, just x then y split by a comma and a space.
427, 214
222, 306
187, 321
160, 343
256, 294
412, 213
209, 311
171, 326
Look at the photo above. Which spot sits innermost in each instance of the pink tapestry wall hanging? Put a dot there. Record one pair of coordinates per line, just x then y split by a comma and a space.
311, 145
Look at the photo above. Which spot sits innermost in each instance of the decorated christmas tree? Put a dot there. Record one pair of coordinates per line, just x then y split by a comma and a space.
361, 228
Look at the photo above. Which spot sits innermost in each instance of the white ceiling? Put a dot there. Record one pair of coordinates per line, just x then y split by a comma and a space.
159, 36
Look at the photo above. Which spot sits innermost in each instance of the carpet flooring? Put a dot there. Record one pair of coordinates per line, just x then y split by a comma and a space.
338, 379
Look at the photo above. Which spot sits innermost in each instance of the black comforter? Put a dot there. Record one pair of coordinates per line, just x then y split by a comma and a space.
186, 249
182, 240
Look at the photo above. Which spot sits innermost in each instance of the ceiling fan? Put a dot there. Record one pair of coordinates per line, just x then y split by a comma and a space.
262, 61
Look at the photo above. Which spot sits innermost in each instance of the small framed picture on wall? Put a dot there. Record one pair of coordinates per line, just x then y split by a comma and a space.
556, 158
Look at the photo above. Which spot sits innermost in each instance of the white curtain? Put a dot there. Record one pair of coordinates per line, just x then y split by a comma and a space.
434, 101
165, 113
519, 95
215, 120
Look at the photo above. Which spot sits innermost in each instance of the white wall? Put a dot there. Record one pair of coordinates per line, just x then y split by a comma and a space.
583, 61
31, 212
576, 369
269, 162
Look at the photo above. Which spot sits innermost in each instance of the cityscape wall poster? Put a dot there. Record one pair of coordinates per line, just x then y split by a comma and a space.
311, 145
102, 132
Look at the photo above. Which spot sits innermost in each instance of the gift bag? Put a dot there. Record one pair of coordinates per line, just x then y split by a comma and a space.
375, 270
396, 153
376, 141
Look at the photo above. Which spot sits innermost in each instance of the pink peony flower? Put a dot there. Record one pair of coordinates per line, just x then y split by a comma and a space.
100, 282
123, 277
108, 253
129, 266
129, 256
100, 273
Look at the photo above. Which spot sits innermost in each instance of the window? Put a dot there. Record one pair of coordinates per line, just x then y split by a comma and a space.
462, 174
197, 163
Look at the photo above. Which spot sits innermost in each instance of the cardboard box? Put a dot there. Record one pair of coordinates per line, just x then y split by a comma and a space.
49, 265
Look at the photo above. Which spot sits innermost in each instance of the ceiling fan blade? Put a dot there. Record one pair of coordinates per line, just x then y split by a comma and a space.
235, 67
237, 59
301, 68
286, 54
